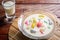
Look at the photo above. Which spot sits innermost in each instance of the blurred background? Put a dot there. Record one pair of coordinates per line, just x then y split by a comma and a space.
48, 5
44, 3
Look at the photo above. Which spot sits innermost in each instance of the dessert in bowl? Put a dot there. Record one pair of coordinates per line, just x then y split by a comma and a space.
37, 25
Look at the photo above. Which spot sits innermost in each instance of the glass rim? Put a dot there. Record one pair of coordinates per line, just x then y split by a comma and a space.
7, 6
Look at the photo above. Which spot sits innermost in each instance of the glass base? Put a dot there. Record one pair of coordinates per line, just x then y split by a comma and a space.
10, 20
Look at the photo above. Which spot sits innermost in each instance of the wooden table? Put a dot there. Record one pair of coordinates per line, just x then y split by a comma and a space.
48, 5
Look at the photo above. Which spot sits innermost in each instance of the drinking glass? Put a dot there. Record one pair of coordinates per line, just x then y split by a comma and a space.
9, 7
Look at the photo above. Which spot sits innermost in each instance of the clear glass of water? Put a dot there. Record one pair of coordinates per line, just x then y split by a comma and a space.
9, 6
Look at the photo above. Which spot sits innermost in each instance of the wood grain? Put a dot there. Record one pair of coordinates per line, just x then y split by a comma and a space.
3, 37
39, 1
36, 1
55, 9
4, 29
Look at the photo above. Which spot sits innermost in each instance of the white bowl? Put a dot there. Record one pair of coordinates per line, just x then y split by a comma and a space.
20, 26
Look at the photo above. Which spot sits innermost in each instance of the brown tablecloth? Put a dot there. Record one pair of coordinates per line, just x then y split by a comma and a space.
15, 34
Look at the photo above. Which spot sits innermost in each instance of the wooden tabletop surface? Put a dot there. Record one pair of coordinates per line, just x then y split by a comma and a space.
21, 5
